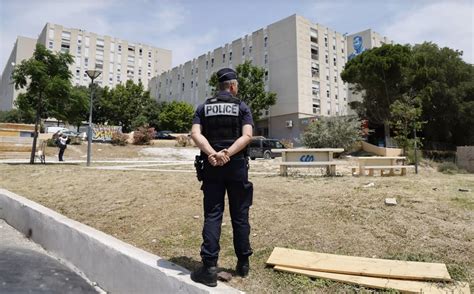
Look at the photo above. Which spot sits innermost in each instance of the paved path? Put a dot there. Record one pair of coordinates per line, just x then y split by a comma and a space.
27, 268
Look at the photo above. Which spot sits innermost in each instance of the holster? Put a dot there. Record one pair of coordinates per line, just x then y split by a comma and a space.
199, 166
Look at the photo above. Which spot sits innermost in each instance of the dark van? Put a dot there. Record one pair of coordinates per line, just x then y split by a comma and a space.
261, 148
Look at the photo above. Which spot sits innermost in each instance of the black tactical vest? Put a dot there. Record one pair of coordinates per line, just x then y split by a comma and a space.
222, 121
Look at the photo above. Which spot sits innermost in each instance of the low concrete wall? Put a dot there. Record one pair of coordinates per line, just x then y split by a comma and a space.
117, 267
465, 158
381, 151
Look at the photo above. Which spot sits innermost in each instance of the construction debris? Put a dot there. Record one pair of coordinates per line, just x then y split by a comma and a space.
390, 201
404, 276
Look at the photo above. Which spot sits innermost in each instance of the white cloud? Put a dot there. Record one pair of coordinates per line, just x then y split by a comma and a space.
444, 23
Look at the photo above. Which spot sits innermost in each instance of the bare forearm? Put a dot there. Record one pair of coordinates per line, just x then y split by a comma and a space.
203, 144
239, 144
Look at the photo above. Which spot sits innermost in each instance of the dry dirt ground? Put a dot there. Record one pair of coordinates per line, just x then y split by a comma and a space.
159, 208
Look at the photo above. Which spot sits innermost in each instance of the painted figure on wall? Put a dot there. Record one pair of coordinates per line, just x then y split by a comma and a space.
358, 45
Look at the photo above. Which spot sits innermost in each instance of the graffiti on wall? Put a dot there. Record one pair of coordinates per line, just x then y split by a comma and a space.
104, 133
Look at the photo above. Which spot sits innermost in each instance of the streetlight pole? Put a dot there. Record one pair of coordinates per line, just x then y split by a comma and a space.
93, 74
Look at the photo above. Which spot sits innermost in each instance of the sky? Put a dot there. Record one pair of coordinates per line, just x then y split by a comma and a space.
191, 28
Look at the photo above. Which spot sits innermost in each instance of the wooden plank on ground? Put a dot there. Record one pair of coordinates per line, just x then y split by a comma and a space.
382, 283
361, 266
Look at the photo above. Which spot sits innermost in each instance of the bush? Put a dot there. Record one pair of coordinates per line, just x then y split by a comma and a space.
183, 141
75, 141
448, 168
119, 139
288, 143
143, 135
51, 142
333, 132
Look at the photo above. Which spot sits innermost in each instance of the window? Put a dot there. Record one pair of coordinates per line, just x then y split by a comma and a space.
79, 49
179, 77
315, 108
197, 68
327, 77
192, 84
50, 44
212, 62
66, 36
149, 54
342, 50
336, 96
64, 47
149, 64
266, 58
243, 51
265, 41
87, 41
335, 79
78, 72
139, 72
207, 64
112, 47
315, 88
314, 69
51, 33
314, 52
223, 57
328, 94
140, 51
79, 39
334, 47
326, 57
266, 75
250, 49
192, 71
99, 44
86, 61
326, 41
119, 48
131, 48
335, 62
182, 87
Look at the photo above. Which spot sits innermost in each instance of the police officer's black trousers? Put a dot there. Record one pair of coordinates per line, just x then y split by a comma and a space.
233, 178
61, 152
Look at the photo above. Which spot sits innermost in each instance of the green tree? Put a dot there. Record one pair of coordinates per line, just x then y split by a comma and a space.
251, 88
46, 77
16, 116
333, 132
382, 76
176, 116
405, 119
124, 105
445, 85
77, 107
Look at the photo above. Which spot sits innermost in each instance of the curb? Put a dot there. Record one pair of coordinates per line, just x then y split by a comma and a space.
116, 267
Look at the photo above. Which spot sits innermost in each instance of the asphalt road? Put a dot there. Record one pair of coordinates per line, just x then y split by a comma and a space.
27, 268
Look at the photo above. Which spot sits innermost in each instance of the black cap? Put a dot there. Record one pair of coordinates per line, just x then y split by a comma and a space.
226, 74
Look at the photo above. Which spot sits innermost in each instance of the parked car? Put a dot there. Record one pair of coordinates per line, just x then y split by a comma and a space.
52, 130
260, 147
164, 135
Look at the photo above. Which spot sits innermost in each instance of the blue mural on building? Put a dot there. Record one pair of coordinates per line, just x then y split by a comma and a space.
358, 44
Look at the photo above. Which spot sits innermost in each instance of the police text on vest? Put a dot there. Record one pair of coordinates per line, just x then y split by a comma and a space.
221, 109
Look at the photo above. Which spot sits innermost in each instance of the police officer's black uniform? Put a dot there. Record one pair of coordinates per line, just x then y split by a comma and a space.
222, 118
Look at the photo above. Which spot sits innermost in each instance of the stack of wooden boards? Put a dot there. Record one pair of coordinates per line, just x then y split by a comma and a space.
404, 276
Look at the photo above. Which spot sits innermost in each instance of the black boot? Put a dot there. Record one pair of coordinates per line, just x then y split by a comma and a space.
243, 267
207, 275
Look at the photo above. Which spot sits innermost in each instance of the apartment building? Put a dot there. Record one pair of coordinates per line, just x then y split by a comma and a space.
302, 62
22, 49
119, 60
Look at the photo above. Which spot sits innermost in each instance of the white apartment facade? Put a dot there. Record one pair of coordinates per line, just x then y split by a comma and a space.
302, 61
119, 60
22, 49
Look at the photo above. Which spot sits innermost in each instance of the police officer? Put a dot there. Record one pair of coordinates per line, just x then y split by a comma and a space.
222, 129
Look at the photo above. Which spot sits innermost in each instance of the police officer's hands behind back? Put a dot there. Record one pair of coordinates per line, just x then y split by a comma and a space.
220, 158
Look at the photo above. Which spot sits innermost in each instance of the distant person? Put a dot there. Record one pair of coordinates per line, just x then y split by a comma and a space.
358, 45
62, 144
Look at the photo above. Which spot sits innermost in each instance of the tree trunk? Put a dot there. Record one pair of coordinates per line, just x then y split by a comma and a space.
386, 128
35, 137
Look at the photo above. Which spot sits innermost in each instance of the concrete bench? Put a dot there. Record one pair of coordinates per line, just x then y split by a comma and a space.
402, 168
330, 166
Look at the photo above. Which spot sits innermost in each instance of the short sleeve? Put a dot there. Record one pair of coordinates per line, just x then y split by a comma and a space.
246, 114
198, 115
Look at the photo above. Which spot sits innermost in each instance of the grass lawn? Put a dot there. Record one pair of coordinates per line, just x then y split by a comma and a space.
161, 212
